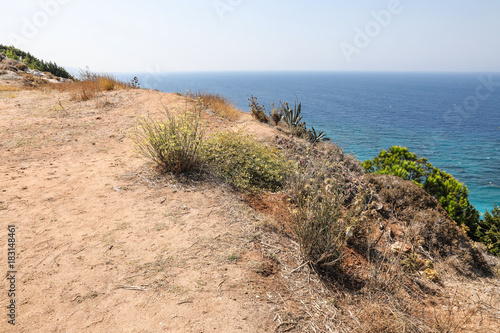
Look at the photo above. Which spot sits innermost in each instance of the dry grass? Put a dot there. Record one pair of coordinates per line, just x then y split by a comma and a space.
218, 104
9, 88
90, 85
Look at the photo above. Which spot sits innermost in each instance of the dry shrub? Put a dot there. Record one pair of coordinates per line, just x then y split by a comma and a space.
319, 227
379, 244
258, 111
392, 315
454, 316
218, 104
328, 202
106, 84
322, 162
83, 90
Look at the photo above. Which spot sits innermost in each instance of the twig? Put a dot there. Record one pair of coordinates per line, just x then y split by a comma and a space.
292, 326
129, 277
219, 291
141, 288
298, 268
191, 245
355, 319
184, 302
282, 299
80, 250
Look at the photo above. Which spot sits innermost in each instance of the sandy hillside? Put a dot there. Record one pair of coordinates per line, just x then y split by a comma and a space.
106, 246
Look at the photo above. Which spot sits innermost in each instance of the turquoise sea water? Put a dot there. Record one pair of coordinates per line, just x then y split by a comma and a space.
452, 119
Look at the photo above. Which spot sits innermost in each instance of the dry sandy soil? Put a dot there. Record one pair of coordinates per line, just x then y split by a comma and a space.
104, 245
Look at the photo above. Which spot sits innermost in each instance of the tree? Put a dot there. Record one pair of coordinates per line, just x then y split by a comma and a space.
488, 230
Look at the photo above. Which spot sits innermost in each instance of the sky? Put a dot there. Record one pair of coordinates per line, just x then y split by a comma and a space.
257, 35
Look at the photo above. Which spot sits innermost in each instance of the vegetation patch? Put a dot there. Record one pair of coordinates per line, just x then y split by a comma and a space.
8, 88
245, 162
450, 193
173, 143
218, 104
488, 230
258, 111
89, 85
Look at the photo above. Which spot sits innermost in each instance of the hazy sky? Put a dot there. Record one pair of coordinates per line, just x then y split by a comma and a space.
214, 35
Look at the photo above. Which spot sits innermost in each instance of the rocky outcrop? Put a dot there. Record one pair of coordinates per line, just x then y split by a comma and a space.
413, 218
11, 65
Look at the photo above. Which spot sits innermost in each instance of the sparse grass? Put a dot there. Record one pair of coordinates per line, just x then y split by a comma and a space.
172, 143
161, 226
233, 257
8, 88
9, 95
220, 105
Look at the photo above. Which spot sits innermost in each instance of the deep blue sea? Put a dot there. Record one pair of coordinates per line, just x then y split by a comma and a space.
451, 119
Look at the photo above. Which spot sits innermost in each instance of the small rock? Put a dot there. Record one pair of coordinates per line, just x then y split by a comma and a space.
399, 248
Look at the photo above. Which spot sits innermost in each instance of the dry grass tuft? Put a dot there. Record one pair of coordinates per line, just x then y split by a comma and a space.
90, 85
218, 104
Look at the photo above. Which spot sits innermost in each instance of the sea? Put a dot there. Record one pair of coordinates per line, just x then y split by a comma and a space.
452, 119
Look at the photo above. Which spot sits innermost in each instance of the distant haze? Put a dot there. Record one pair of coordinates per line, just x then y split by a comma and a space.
257, 35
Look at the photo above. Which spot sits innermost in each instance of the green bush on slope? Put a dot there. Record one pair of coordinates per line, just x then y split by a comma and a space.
245, 162
451, 194
488, 230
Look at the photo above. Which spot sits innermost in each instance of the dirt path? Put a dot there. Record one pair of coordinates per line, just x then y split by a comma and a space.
103, 246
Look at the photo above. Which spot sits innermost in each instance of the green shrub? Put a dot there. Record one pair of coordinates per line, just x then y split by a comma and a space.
451, 194
488, 231
245, 162
172, 143
398, 161
453, 197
